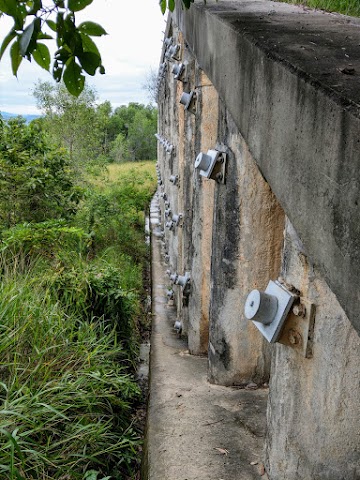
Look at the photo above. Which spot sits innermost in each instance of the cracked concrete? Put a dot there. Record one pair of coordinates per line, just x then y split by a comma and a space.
195, 431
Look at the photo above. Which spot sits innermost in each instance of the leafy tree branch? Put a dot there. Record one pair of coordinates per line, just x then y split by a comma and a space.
37, 21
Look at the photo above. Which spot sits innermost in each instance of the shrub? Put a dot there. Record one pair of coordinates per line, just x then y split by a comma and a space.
36, 183
46, 239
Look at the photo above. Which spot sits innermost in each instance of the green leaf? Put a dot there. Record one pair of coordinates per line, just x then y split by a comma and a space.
6, 42
63, 54
77, 5
36, 5
91, 28
42, 56
73, 79
89, 45
171, 5
14, 9
51, 25
91, 475
44, 36
25, 38
71, 37
59, 25
89, 62
57, 71
16, 57
9, 7
162, 4
102, 70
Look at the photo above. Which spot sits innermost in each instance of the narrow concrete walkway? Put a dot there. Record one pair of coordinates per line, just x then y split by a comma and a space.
195, 431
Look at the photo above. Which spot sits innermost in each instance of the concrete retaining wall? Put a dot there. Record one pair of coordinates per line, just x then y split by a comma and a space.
288, 208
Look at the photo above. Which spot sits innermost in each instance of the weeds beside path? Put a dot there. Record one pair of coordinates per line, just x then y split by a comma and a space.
69, 318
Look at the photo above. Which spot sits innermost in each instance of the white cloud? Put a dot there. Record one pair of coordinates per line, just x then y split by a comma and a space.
129, 51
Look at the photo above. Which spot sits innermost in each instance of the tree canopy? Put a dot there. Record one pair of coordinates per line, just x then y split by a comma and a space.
92, 132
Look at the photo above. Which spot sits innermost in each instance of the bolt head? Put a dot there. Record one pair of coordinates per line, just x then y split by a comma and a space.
299, 310
294, 337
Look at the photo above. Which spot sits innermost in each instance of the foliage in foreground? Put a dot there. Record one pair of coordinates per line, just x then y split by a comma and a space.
65, 396
36, 21
69, 307
36, 181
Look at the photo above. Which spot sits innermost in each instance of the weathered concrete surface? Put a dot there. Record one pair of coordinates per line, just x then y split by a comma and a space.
313, 413
200, 229
283, 73
246, 249
305, 139
196, 431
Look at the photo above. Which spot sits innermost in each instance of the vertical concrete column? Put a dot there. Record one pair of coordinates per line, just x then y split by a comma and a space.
314, 404
186, 135
203, 206
247, 245
173, 160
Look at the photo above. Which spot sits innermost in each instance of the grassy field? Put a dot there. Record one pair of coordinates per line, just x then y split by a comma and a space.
70, 308
347, 7
144, 170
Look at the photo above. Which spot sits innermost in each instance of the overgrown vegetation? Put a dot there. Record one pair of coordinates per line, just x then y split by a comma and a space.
71, 265
347, 7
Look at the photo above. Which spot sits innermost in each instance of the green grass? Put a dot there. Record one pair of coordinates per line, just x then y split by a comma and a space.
116, 172
70, 310
65, 397
347, 7
114, 210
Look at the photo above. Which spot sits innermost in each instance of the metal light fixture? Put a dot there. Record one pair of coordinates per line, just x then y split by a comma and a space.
268, 310
176, 219
174, 52
189, 101
174, 179
178, 70
178, 326
212, 165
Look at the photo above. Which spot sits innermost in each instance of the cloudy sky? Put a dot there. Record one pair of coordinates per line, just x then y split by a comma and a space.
129, 52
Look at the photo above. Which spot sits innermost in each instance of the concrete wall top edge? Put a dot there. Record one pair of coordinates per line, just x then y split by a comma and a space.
290, 78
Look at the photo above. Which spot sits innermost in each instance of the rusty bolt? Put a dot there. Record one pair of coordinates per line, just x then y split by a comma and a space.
294, 337
299, 310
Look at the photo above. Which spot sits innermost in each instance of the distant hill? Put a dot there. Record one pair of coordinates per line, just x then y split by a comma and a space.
28, 118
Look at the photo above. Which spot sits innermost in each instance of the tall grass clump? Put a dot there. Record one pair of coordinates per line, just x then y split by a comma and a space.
65, 396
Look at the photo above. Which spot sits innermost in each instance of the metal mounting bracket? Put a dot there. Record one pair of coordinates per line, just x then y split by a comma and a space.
298, 331
268, 310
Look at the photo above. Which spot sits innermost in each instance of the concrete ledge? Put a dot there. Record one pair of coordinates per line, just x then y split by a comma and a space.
283, 73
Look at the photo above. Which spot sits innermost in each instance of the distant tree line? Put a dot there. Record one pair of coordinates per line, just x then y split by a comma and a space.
94, 132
